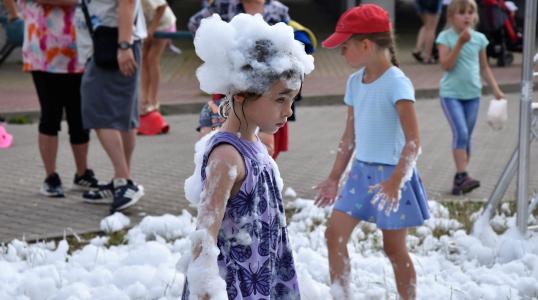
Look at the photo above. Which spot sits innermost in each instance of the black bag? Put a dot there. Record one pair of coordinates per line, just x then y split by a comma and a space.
105, 47
105, 43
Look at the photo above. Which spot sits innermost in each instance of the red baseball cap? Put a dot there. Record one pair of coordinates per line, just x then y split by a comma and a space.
362, 19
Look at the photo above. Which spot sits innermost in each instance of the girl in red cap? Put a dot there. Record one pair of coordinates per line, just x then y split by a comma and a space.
383, 185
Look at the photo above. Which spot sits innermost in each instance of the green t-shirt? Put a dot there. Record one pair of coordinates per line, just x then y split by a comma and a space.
463, 80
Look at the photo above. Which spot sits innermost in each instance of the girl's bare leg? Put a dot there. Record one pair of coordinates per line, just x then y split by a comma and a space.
394, 244
154, 70
339, 228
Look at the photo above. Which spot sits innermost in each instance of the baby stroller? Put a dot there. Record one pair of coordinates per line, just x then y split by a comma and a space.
498, 23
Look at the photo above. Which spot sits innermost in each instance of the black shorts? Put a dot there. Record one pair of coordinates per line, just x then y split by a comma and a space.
58, 92
432, 7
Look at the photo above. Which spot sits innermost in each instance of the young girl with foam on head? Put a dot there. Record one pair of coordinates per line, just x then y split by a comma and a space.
241, 248
462, 53
383, 186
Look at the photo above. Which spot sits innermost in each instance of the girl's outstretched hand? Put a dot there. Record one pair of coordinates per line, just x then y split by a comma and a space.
327, 191
387, 196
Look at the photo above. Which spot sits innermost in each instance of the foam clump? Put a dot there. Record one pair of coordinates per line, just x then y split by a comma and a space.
248, 55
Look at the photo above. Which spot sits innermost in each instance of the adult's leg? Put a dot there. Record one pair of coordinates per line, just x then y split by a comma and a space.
339, 227
129, 142
419, 46
78, 136
454, 112
112, 142
50, 118
430, 25
48, 148
394, 244
154, 59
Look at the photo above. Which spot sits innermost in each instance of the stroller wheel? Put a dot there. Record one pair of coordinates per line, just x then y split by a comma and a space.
505, 60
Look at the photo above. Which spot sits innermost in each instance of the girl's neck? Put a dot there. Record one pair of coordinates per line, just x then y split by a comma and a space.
234, 125
374, 69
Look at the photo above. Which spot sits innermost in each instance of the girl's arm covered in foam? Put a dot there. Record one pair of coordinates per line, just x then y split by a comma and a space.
389, 192
411, 149
329, 187
225, 170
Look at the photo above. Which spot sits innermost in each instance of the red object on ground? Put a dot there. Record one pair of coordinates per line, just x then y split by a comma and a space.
281, 140
153, 123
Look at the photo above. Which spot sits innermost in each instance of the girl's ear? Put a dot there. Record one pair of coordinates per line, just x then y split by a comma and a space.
367, 44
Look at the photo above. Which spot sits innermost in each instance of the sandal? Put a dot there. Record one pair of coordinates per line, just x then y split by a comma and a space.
147, 108
429, 61
418, 56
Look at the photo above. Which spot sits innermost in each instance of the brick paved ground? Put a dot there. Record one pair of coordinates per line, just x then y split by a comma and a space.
162, 163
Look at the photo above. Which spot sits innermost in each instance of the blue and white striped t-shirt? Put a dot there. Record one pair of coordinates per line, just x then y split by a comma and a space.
379, 136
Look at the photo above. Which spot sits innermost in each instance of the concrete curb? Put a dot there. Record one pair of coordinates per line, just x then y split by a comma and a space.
318, 100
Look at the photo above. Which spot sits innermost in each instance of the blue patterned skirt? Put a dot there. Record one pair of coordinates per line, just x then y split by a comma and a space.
355, 197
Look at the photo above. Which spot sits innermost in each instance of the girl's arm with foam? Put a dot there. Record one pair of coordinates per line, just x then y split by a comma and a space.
329, 187
225, 171
485, 70
449, 57
389, 191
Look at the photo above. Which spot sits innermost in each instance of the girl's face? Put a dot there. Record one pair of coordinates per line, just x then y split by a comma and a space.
463, 18
355, 52
271, 110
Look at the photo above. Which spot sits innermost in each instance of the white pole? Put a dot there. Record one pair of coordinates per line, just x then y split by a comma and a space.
525, 115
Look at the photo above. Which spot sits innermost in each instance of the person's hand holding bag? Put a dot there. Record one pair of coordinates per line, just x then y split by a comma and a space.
497, 113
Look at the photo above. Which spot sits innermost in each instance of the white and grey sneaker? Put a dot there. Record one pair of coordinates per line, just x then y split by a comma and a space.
86, 182
52, 186
104, 194
126, 193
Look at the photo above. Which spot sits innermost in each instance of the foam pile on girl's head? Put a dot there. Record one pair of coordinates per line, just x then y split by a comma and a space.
248, 55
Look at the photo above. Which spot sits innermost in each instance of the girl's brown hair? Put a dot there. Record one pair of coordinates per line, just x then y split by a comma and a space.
383, 40
457, 6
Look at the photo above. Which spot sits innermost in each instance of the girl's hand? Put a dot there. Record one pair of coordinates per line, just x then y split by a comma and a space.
327, 191
387, 196
499, 95
465, 36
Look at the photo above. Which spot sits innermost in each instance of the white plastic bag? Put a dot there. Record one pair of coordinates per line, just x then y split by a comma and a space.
497, 113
